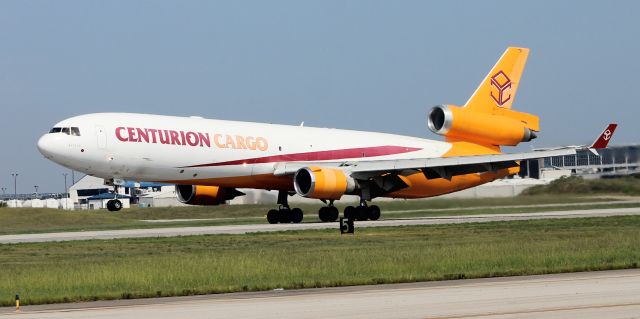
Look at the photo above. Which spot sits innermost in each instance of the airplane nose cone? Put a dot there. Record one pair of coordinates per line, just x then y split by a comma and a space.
45, 146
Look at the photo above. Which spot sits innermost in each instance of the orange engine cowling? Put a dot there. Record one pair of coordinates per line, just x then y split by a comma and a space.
483, 128
205, 195
322, 183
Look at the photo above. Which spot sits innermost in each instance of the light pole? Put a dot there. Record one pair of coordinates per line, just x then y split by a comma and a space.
4, 191
65, 185
15, 185
36, 187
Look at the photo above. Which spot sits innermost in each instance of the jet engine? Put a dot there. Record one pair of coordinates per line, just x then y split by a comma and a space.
205, 195
322, 183
483, 128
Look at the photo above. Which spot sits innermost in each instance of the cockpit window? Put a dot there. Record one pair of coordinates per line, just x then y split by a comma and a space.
73, 131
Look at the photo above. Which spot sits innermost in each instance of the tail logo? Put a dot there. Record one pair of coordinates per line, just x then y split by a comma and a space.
501, 82
607, 135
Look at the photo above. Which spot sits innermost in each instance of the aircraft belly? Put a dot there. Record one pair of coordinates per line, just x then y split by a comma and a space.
421, 187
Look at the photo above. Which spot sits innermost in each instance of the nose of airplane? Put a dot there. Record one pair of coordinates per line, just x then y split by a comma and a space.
47, 145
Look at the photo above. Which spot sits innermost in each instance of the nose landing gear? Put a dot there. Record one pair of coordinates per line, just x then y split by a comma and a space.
114, 205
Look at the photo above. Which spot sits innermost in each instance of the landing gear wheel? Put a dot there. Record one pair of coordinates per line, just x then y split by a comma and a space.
373, 212
285, 216
296, 215
273, 216
114, 205
332, 214
349, 212
328, 214
323, 214
361, 212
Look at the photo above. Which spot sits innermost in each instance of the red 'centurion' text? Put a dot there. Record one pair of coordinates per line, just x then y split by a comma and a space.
150, 135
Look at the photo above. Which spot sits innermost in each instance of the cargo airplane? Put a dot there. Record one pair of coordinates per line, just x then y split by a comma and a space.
208, 160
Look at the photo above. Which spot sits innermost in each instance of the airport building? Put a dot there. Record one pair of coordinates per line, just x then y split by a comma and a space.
615, 161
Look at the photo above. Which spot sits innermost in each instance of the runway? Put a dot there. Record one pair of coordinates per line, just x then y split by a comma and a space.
606, 294
242, 229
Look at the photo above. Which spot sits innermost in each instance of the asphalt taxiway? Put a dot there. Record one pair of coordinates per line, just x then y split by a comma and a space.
605, 294
253, 228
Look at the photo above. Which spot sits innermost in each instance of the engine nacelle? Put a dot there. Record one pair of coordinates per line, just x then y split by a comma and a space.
322, 183
483, 128
205, 195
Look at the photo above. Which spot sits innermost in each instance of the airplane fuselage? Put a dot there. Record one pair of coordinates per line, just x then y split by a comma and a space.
192, 150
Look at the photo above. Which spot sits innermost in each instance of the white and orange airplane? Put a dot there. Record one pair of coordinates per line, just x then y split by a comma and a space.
209, 159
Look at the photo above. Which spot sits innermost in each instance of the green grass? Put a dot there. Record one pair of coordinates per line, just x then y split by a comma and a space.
131, 268
505, 210
576, 185
38, 220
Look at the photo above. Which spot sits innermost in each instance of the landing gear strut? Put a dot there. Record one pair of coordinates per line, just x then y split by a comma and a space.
362, 212
328, 213
284, 214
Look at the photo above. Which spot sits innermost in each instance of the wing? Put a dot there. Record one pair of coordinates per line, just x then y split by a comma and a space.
431, 167
445, 167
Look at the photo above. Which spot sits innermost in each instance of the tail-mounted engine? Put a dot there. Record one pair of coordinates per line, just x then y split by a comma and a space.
505, 128
322, 183
205, 195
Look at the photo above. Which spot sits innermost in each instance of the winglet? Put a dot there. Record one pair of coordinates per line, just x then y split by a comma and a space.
603, 140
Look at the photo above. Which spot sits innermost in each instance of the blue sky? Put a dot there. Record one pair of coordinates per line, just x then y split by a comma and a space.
365, 65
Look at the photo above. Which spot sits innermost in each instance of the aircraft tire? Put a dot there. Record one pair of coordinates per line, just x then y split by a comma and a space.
332, 214
323, 214
110, 205
273, 216
296, 215
349, 212
285, 216
361, 212
117, 205
373, 212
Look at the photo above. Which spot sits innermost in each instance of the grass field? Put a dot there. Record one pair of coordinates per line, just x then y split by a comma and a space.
29, 220
576, 185
130, 268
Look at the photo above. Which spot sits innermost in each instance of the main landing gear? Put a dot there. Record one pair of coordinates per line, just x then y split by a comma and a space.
328, 213
284, 214
362, 212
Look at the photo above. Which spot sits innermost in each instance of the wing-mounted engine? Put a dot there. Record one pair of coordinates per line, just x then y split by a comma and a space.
502, 127
322, 183
205, 195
